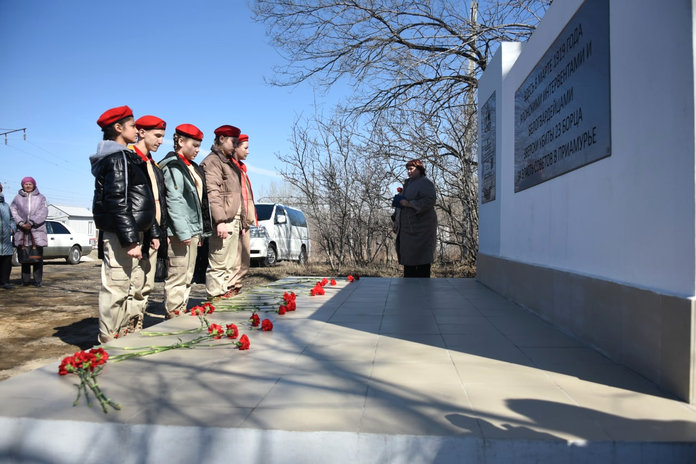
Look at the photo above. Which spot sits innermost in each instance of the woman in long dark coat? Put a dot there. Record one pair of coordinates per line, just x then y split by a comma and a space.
416, 222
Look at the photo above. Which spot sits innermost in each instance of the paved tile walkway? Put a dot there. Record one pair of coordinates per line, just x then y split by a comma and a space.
380, 370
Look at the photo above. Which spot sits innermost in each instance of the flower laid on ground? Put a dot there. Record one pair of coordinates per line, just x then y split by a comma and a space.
324, 281
216, 331
399, 189
266, 325
317, 290
208, 307
232, 331
243, 343
352, 278
333, 282
255, 320
290, 305
201, 311
88, 365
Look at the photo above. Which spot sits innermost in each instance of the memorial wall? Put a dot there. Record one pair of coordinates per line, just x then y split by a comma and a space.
587, 180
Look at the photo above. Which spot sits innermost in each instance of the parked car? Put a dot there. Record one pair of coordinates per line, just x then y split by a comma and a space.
282, 234
63, 244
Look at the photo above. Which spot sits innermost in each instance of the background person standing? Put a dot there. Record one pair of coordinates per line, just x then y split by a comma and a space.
29, 211
7, 228
417, 222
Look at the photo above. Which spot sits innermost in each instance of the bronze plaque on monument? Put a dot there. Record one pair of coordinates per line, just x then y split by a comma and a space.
563, 108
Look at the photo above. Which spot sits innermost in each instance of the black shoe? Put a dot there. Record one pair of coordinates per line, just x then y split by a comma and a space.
26, 284
7, 286
37, 284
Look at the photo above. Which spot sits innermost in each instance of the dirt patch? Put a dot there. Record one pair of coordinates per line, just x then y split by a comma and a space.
42, 325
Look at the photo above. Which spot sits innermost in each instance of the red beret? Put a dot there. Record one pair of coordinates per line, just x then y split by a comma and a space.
150, 122
114, 114
189, 130
228, 131
243, 138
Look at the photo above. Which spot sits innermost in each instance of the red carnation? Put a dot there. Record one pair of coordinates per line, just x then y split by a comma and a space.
350, 278
291, 306
255, 320
196, 311
67, 365
232, 331
216, 330
399, 189
282, 309
243, 343
333, 282
324, 281
266, 325
100, 355
208, 308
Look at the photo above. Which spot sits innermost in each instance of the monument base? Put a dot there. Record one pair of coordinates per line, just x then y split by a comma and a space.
650, 332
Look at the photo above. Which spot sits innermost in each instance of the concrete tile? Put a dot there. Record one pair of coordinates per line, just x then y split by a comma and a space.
305, 418
531, 412
540, 337
316, 391
496, 373
406, 373
549, 357
404, 325
392, 350
417, 420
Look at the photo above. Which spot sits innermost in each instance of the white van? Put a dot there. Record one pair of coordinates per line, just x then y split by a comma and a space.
282, 234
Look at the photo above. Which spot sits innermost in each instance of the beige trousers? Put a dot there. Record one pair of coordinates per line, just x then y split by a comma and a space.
241, 267
149, 266
182, 262
222, 257
120, 295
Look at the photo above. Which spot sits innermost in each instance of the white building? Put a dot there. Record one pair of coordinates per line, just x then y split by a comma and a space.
76, 218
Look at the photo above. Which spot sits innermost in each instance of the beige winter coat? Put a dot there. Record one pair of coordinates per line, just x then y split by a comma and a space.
416, 238
224, 187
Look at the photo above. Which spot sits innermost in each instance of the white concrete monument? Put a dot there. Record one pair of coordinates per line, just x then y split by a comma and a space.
588, 180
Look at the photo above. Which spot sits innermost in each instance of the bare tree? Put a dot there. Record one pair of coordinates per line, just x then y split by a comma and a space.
415, 66
343, 190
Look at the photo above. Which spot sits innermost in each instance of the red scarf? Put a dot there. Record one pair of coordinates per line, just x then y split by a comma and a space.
142, 156
246, 187
183, 158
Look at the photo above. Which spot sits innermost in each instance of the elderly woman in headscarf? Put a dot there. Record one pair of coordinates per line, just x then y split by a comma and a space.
415, 222
7, 228
29, 211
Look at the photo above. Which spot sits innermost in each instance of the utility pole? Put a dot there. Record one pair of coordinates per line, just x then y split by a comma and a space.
9, 131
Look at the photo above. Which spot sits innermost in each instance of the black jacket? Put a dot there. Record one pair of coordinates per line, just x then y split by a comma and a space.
123, 201
158, 230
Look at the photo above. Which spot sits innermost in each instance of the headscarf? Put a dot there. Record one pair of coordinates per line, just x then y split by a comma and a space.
28, 179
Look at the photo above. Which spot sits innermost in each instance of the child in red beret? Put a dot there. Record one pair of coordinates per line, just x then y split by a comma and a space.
189, 215
124, 212
151, 131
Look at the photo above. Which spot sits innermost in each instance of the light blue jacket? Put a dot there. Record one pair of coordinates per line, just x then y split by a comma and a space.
188, 214
7, 228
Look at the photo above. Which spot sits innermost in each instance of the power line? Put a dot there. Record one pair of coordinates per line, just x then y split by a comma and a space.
24, 129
